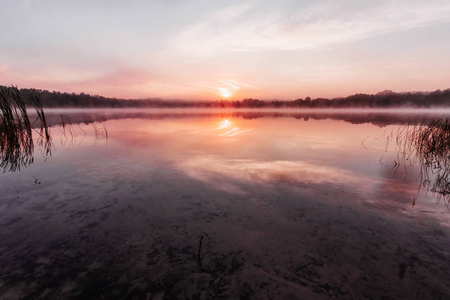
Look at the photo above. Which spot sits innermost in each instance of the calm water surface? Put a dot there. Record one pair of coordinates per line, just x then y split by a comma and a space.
225, 205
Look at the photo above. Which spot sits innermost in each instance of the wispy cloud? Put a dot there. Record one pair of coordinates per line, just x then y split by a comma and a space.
316, 26
233, 86
202, 49
228, 86
240, 84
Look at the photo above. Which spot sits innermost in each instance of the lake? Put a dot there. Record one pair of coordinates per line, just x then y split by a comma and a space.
210, 204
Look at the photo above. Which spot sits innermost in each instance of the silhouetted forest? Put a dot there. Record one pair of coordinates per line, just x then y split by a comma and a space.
383, 99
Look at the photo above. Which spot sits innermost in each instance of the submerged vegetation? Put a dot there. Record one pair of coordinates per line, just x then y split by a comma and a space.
16, 139
429, 145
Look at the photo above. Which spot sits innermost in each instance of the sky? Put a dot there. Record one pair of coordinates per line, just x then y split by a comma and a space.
208, 50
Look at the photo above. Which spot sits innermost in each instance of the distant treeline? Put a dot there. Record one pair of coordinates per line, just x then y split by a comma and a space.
384, 99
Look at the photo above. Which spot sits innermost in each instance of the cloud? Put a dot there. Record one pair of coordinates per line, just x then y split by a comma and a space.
230, 86
233, 86
221, 45
308, 28
239, 84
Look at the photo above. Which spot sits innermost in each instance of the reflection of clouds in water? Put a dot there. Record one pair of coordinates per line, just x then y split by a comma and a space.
222, 173
237, 132
224, 125
234, 129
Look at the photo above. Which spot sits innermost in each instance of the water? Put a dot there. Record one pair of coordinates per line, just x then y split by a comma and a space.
172, 204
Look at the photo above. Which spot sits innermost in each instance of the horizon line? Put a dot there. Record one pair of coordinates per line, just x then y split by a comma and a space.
386, 92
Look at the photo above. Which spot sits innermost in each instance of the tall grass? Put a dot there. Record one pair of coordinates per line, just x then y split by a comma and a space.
44, 140
428, 144
16, 139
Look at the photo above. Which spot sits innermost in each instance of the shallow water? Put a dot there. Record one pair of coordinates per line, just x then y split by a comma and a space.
223, 205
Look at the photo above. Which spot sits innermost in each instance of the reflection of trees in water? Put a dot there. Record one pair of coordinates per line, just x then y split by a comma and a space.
16, 140
429, 145
426, 140
355, 117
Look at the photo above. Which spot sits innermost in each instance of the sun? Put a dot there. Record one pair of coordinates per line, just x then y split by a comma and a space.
225, 93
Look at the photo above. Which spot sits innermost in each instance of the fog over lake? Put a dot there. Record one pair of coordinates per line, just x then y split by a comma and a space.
227, 204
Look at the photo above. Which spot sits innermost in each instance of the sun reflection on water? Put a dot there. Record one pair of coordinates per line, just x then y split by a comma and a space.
224, 124
231, 129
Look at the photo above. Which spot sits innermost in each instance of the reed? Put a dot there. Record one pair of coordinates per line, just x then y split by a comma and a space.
16, 139
100, 132
70, 135
44, 139
429, 145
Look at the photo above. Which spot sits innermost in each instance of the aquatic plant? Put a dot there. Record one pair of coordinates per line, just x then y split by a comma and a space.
429, 145
44, 140
16, 139
70, 134
100, 132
